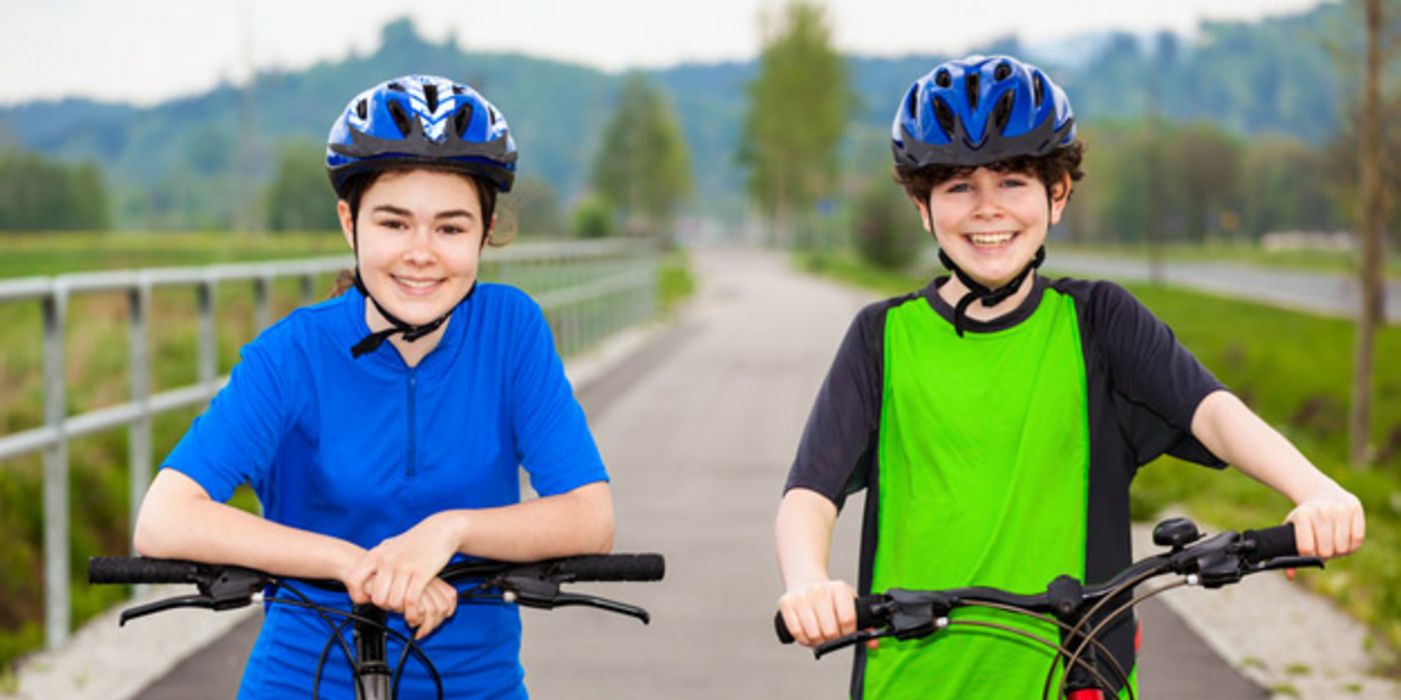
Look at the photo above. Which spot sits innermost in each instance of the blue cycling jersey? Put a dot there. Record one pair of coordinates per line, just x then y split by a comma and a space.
364, 449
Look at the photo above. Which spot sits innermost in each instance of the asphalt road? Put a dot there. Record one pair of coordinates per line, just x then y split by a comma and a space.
1328, 294
698, 431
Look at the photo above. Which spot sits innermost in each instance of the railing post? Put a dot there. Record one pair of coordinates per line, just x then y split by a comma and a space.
208, 342
139, 432
262, 304
57, 612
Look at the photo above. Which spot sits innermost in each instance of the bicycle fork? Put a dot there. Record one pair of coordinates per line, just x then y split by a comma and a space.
372, 677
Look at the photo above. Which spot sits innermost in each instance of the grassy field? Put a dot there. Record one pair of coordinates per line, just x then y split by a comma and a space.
1306, 260
97, 375
1293, 369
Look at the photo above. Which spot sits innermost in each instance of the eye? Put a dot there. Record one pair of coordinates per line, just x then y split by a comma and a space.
392, 224
452, 229
957, 187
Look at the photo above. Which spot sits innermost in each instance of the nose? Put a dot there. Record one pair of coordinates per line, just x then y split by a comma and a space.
987, 205
419, 250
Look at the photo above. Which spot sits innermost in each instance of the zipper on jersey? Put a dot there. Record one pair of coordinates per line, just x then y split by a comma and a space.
412, 387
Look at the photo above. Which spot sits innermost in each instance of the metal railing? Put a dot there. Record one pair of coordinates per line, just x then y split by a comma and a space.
588, 290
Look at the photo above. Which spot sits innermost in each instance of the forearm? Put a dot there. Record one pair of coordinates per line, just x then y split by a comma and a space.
577, 522
1235, 434
803, 534
178, 520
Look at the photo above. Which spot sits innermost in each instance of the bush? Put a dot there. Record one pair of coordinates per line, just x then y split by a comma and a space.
593, 218
887, 233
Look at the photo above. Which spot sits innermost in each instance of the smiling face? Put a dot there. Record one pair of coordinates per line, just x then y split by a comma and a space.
991, 223
420, 238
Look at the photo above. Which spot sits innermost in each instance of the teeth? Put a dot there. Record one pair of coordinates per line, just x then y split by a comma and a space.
417, 284
990, 238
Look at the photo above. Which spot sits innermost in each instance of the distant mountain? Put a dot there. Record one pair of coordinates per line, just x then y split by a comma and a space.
175, 164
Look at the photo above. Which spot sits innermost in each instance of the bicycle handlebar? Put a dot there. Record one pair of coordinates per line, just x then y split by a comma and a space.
1213, 562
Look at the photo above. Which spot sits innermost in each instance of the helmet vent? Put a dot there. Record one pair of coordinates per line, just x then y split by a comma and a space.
457, 89
401, 118
1003, 71
462, 119
362, 109
971, 82
911, 100
430, 94
942, 78
396, 87
1002, 111
1039, 85
944, 115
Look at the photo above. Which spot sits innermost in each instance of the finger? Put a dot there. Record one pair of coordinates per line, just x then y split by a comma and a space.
449, 594
379, 588
812, 631
827, 617
1342, 539
1359, 528
844, 605
1303, 537
1291, 573
794, 625
359, 576
1323, 535
397, 599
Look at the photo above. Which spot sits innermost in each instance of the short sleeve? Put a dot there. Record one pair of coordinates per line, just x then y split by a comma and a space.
552, 437
1157, 383
838, 444
235, 439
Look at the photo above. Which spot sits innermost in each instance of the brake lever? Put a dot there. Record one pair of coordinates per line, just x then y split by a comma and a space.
184, 601
1289, 563
593, 601
853, 639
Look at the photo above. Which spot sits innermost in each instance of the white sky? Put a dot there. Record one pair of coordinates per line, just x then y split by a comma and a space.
145, 51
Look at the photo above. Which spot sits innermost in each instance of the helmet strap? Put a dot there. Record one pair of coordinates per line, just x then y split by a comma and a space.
977, 291
371, 342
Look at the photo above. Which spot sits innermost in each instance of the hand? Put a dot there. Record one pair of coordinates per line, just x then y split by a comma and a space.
819, 612
400, 574
1328, 524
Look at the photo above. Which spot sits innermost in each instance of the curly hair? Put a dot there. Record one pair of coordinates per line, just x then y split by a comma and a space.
1050, 168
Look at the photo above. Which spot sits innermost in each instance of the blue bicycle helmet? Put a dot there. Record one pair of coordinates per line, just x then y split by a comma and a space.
421, 120
977, 111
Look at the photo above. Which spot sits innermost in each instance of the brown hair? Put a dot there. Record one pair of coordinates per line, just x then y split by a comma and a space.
1050, 168
357, 185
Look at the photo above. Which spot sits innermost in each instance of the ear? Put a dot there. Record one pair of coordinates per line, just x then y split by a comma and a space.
923, 207
347, 225
486, 235
1060, 196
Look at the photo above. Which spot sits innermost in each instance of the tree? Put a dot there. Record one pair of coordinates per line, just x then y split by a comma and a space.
40, 195
886, 233
1371, 218
299, 198
593, 218
643, 165
533, 208
797, 112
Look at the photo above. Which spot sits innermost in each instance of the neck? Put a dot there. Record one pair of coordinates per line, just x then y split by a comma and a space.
412, 353
954, 290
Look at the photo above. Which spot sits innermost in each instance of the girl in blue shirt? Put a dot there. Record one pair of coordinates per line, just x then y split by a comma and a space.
383, 430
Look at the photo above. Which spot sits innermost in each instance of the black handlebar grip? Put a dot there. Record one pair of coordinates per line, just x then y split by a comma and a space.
140, 570
867, 616
1271, 542
612, 567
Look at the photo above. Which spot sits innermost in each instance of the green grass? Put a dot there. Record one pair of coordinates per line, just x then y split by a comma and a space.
1311, 261
1294, 369
97, 375
28, 254
676, 280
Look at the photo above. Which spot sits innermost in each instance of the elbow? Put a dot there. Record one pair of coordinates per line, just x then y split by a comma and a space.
600, 509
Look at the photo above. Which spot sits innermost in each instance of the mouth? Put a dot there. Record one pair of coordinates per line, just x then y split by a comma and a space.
991, 240
417, 286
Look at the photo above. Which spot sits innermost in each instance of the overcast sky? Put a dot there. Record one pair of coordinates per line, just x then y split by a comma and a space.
145, 51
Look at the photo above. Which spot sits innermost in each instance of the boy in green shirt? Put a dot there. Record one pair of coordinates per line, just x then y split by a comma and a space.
996, 418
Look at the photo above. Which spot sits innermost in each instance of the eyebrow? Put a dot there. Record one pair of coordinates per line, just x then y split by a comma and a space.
398, 211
